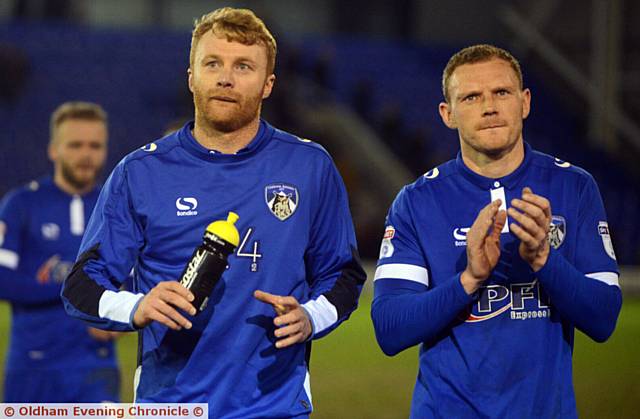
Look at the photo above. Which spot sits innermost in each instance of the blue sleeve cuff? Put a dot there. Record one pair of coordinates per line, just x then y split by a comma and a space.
132, 314
590, 305
461, 295
313, 325
550, 265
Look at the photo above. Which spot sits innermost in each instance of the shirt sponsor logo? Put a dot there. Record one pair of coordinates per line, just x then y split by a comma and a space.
60, 271
603, 231
386, 247
186, 207
557, 231
50, 231
460, 236
524, 301
281, 199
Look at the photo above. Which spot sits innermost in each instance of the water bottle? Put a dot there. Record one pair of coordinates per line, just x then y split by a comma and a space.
209, 260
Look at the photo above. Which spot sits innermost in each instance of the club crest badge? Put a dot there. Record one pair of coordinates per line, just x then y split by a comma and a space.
557, 231
281, 199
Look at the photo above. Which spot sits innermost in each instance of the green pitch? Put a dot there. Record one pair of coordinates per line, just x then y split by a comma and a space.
351, 378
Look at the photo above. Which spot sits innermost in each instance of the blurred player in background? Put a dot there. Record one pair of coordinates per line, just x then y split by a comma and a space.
294, 277
490, 261
52, 357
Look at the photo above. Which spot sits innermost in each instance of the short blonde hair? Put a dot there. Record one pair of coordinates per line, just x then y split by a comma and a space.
237, 25
476, 54
75, 110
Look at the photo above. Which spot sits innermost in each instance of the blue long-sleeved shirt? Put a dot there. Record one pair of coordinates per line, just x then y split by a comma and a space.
506, 350
40, 223
296, 238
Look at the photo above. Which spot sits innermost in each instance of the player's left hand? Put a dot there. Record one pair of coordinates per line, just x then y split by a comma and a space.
533, 214
293, 324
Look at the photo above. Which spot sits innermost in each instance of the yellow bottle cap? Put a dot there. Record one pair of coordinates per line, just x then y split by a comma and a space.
225, 229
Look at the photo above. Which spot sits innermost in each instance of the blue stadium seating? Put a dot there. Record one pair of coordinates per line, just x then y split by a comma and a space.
140, 79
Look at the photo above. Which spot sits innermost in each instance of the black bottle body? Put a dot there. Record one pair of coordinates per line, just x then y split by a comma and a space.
205, 267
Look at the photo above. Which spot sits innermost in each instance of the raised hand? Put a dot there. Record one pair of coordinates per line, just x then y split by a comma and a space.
483, 246
533, 214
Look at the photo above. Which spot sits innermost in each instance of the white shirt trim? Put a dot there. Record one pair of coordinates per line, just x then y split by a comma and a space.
9, 259
609, 278
403, 271
136, 382
307, 387
499, 194
117, 306
323, 313
76, 216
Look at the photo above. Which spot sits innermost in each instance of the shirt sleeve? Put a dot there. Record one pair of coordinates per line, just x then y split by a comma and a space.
109, 248
586, 294
594, 250
16, 284
332, 262
406, 309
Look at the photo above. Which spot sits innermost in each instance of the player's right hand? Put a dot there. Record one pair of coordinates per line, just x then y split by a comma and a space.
160, 305
483, 246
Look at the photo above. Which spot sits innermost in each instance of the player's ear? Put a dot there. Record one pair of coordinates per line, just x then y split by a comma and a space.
52, 151
447, 116
526, 103
190, 79
268, 86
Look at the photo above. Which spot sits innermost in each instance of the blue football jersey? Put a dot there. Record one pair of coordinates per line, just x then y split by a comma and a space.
506, 350
296, 238
40, 223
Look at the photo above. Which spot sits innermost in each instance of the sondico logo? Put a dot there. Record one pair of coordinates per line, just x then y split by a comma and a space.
460, 236
186, 207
